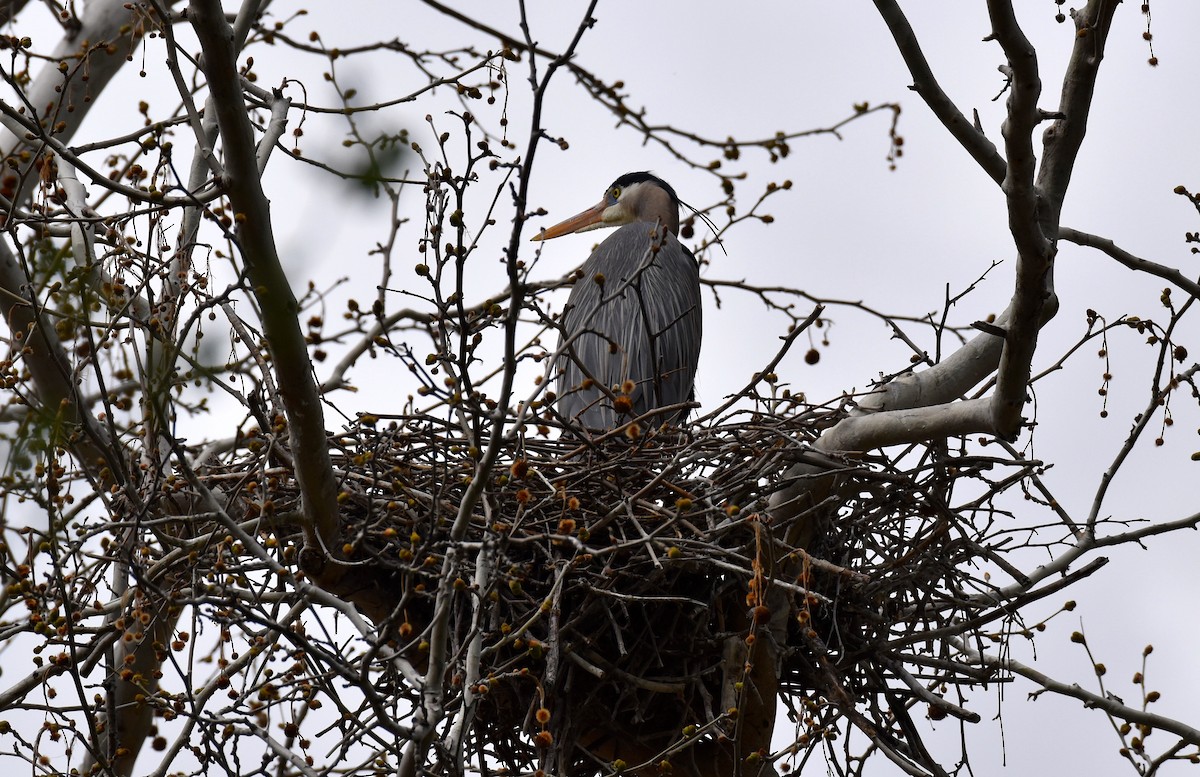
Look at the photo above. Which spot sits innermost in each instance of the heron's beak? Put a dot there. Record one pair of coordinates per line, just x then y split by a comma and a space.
591, 218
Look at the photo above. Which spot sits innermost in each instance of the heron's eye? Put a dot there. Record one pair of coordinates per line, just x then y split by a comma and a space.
614, 192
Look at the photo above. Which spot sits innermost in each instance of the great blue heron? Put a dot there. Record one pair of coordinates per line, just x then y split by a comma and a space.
631, 328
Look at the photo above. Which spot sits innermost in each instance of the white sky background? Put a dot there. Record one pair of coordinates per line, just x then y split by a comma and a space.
851, 229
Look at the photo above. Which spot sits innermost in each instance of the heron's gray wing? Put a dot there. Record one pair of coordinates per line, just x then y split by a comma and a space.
642, 326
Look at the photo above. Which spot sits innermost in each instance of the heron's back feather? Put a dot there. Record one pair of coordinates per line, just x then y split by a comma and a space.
641, 326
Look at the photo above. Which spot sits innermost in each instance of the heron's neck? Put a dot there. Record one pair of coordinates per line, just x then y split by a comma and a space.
660, 207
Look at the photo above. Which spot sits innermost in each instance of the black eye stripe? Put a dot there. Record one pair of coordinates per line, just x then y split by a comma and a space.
630, 179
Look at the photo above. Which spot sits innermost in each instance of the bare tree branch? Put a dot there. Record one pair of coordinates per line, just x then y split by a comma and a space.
1109, 703
972, 139
1136, 263
289, 352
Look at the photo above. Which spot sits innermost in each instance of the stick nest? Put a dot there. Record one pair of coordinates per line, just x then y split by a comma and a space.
632, 577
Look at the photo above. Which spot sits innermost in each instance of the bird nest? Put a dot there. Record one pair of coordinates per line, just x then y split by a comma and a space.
634, 578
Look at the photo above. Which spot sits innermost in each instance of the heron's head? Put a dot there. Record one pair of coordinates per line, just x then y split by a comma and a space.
632, 197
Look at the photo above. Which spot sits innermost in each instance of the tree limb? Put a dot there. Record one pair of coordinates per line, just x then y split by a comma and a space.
982, 150
1109, 704
270, 286
1136, 263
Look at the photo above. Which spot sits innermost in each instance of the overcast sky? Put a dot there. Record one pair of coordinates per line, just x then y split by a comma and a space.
853, 229
850, 228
